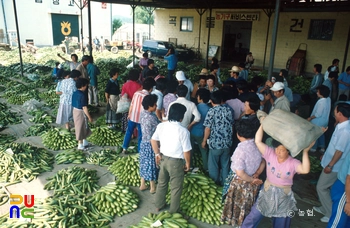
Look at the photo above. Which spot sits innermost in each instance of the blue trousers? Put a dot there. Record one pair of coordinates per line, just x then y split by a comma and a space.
320, 142
170, 75
338, 218
219, 163
129, 130
254, 217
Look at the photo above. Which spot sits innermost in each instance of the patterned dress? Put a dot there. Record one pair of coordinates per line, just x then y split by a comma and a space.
148, 168
65, 109
240, 195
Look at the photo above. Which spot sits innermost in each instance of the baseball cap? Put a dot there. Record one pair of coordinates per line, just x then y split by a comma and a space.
180, 76
277, 86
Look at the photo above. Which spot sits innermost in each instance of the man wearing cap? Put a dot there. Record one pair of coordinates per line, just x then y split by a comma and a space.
181, 78
282, 101
234, 75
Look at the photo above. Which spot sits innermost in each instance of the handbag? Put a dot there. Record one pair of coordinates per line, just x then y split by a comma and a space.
123, 104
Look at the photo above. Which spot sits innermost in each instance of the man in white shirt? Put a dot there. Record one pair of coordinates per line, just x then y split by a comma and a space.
191, 108
171, 145
159, 91
337, 149
181, 78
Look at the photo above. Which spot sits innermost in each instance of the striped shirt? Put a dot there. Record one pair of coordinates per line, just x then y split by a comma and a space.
136, 105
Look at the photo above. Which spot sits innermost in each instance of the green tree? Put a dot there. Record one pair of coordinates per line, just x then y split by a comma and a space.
144, 14
117, 23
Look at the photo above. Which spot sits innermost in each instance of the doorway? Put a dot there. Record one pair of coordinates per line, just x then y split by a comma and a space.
236, 40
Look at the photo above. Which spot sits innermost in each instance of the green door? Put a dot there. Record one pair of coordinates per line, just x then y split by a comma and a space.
64, 25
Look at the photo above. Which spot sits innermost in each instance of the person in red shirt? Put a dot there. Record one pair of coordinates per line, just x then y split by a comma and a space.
128, 89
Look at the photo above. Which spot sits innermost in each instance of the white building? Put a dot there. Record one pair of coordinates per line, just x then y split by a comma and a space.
47, 22
125, 33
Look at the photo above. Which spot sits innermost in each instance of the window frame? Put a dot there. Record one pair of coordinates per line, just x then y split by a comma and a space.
189, 27
313, 29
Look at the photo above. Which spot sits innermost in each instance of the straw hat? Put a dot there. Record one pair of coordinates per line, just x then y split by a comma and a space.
204, 71
235, 69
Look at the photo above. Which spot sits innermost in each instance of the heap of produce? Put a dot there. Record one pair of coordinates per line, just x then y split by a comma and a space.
104, 136
104, 157
64, 211
114, 199
201, 198
7, 117
40, 117
23, 162
70, 156
167, 219
73, 180
37, 130
4, 139
126, 170
58, 139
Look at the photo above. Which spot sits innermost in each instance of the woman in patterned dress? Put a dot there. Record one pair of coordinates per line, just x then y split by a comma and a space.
280, 170
242, 184
65, 109
149, 122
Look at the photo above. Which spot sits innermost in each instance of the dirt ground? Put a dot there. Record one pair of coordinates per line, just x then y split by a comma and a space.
304, 188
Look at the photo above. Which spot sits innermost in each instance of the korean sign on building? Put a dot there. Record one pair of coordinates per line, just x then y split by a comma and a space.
251, 16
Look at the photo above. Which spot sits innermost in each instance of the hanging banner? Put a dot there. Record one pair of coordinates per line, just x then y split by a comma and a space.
251, 16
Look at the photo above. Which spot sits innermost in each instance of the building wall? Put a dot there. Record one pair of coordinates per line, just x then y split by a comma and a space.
35, 19
318, 51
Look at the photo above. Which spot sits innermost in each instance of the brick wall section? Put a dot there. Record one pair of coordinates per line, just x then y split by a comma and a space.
318, 51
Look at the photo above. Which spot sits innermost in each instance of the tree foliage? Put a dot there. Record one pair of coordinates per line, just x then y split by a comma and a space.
117, 23
144, 14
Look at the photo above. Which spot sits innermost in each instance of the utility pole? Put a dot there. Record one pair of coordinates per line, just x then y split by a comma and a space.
81, 7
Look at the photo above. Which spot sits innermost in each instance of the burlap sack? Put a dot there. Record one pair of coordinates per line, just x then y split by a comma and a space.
294, 132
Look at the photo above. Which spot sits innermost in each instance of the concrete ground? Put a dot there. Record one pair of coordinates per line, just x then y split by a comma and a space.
146, 205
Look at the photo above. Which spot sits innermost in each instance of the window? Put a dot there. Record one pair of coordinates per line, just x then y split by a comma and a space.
186, 24
71, 3
38, 1
321, 29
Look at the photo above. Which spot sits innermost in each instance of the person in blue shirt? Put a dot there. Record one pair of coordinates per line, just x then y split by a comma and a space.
330, 82
344, 82
172, 62
55, 70
340, 196
234, 75
93, 71
197, 131
317, 80
244, 72
320, 115
81, 113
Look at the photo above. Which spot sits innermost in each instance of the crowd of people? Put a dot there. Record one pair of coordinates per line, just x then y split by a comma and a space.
171, 117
